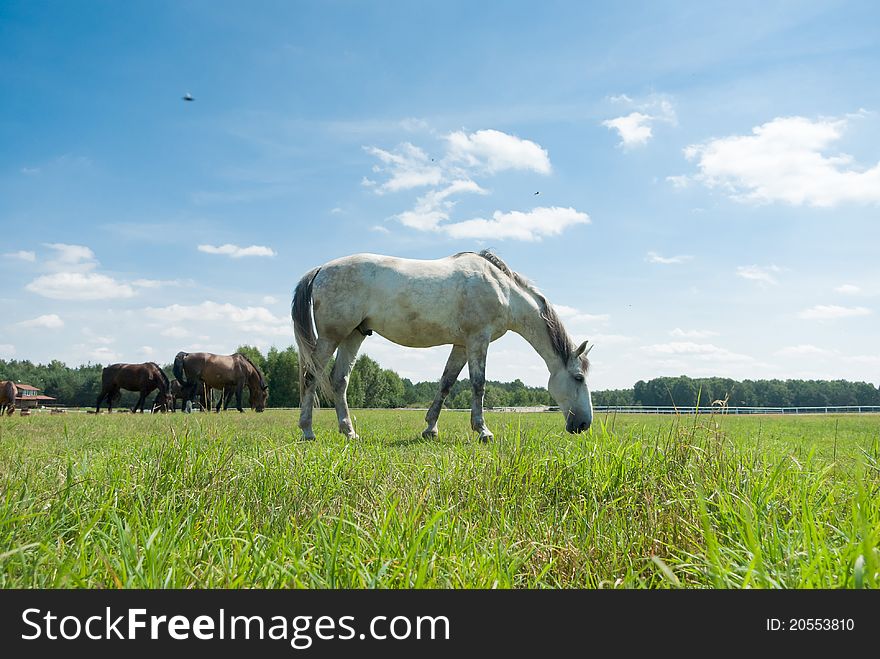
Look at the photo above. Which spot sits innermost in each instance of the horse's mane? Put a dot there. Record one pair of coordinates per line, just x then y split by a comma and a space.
254, 366
562, 343
162, 374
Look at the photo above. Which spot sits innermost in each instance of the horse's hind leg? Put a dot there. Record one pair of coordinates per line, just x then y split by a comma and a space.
345, 358
323, 351
476, 355
454, 364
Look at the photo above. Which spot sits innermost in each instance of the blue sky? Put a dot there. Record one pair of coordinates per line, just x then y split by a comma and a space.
708, 176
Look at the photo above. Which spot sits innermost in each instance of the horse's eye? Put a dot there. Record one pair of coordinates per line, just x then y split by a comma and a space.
579, 378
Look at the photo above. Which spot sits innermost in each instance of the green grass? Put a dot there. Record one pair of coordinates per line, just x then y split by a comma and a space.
231, 500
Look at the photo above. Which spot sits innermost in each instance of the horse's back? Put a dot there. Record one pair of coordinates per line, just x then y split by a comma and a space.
214, 370
415, 302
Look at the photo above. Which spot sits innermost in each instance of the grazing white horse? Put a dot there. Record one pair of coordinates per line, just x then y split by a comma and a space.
467, 300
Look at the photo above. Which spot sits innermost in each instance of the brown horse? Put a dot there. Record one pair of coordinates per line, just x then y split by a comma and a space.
134, 377
228, 372
8, 392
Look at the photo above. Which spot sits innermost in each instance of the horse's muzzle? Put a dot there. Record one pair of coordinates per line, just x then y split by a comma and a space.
575, 428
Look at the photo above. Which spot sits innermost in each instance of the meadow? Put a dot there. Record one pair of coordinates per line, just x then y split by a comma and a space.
236, 500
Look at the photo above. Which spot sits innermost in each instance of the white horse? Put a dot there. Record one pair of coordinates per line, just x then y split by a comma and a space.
467, 300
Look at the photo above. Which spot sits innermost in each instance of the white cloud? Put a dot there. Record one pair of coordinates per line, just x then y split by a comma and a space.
575, 316
784, 160
269, 299
7, 351
175, 332
47, 321
409, 167
147, 351
832, 311
700, 351
496, 151
530, 226
104, 355
433, 207
692, 334
72, 258
873, 360
79, 286
758, 273
848, 289
156, 283
237, 252
484, 152
601, 339
680, 181
634, 129
804, 350
654, 257
22, 255
379, 229
258, 320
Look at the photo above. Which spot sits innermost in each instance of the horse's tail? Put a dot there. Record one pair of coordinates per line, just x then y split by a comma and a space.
177, 369
166, 384
306, 339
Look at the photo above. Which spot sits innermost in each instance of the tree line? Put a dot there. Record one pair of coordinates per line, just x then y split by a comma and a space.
683, 391
372, 386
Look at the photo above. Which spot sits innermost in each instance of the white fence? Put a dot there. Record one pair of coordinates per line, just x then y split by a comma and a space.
662, 409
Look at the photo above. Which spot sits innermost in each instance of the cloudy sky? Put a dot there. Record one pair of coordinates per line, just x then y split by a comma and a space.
695, 186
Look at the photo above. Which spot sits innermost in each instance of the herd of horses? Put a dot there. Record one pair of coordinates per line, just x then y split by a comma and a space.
466, 300
196, 375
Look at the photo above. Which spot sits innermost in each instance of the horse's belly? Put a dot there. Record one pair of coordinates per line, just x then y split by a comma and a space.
417, 333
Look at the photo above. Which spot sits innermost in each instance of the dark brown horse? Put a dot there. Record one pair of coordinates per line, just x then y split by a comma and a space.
228, 372
144, 378
8, 392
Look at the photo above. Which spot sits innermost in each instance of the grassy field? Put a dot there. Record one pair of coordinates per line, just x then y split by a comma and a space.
232, 500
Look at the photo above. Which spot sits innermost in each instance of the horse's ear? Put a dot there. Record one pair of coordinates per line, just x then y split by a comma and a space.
582, 348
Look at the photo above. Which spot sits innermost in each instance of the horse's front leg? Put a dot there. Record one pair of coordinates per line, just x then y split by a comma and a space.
454, 364
345, 358
238, 392
476, 355
140, 402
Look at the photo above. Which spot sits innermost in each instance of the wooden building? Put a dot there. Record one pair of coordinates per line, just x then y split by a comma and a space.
30, 397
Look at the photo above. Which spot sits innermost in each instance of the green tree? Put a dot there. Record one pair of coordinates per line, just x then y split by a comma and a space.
282, 370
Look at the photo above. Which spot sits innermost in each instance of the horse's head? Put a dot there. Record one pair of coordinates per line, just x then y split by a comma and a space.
568, 386
259, 396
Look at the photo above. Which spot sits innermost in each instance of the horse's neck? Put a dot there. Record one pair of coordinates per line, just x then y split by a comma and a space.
526, 321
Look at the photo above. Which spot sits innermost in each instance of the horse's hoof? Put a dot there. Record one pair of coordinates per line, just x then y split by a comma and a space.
486, 437
308, 436
352, 435
430, 434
